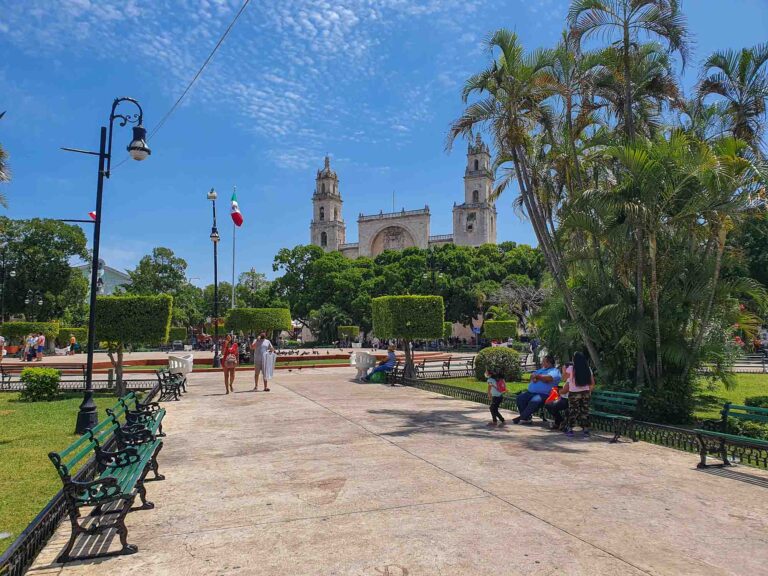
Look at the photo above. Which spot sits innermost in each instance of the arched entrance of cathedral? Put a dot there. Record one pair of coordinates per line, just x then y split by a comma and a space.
391, 238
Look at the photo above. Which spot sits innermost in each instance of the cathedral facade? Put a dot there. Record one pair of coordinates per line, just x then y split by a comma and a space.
474, 220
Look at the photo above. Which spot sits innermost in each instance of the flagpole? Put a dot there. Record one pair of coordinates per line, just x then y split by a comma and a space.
234, 230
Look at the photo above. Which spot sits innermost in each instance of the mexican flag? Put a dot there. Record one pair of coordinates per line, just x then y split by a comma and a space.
237, 217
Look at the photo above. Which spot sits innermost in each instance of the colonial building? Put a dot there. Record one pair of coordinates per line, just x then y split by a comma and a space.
474, 220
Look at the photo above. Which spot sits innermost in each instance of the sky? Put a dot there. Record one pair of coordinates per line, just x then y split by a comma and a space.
374, 84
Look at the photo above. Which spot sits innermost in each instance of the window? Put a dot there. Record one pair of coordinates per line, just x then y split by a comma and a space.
335, 214
323, 239
477, 165
471, 217
475, 196
322, 213
323, 187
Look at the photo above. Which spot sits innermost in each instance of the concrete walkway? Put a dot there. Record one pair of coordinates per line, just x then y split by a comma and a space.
322, 476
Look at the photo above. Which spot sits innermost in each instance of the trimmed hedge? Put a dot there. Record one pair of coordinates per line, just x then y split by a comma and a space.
408, 317
258, 319
18, 330
499, 329
447, 330
498, 359
177, 333
80, 334
350, 332
40, 384
133, 319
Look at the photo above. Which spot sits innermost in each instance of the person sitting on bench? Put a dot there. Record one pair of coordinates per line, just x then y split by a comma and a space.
542, 382
385, 365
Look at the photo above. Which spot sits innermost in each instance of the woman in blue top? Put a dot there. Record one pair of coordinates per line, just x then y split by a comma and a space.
385, 365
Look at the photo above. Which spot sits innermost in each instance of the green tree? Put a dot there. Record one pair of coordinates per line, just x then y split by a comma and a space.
130, 320
408, 318
255, 320
40, 251
740, 81
325, 321
161, 272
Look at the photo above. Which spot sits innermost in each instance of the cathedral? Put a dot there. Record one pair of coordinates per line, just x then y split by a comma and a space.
474, 220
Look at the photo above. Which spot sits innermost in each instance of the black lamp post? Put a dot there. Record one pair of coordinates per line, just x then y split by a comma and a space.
215, 239
138, 149
33, 297
8, 271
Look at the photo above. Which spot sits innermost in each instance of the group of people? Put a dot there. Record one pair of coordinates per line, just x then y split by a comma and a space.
263, 361
34, 346
568, 404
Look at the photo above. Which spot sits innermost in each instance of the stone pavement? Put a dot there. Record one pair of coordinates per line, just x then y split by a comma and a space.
322, 476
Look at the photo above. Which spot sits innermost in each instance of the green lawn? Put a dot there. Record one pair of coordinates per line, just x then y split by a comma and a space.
709, 401
28, 431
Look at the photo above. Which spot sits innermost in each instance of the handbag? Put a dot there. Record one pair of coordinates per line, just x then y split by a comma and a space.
231, 361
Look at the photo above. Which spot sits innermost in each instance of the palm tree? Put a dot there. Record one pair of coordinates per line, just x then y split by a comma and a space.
627, 21
741, 80
513, 107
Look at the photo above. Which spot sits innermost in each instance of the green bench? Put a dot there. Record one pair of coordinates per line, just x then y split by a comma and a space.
123, 457
713, 437
171, 385
147, 415
618, 407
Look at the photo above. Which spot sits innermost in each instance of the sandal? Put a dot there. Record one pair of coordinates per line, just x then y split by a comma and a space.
266, 389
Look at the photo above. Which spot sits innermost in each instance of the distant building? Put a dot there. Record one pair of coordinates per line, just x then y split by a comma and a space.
474, 220
111, 277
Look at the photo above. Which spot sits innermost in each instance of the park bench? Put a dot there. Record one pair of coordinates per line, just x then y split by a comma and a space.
617, 407
713, 436
10, 373
122, 460
137, 414
171, 385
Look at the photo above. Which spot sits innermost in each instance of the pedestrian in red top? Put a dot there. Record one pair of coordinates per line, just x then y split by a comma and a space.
229, 362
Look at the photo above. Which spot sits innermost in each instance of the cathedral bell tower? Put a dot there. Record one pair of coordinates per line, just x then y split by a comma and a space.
474, 221
327, 229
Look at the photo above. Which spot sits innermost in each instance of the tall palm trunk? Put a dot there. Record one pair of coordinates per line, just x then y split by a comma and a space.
639, 307
655, 303
550, 251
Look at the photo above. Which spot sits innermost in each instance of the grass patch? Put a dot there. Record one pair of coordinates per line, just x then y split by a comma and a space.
28, 431
472, 384
710, 399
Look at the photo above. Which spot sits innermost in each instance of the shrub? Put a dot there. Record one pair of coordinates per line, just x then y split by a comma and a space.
258, 319
499, 329
498, 359
177, 333
40, 384
348, 332
447, 330
16, 331
408, 318
131, 320
756, 401
80, 334
754, 430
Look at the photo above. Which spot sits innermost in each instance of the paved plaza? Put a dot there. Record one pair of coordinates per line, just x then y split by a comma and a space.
323, 476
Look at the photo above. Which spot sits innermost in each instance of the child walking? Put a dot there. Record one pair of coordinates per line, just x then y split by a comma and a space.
579, 388
496, 389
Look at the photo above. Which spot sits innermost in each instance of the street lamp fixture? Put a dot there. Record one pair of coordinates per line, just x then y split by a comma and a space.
138, 150
215, 240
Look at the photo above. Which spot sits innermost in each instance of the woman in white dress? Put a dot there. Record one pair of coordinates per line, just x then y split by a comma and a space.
261, 347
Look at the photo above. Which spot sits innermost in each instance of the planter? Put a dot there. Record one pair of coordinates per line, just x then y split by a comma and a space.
12, 349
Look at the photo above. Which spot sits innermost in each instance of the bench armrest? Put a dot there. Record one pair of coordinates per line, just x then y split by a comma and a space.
712, 425
120, 458
135, 434
93, 491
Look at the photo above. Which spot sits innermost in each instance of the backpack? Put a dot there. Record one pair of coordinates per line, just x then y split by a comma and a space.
501, 386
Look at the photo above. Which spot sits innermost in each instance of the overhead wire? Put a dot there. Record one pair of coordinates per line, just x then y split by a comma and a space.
172, 109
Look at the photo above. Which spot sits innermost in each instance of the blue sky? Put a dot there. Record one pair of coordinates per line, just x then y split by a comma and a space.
373, 83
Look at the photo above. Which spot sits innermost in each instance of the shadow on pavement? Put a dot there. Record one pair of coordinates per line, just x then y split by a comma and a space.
753, 479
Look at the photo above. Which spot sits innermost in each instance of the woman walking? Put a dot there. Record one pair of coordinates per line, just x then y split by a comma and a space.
579, 389
229, 361
260, 347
